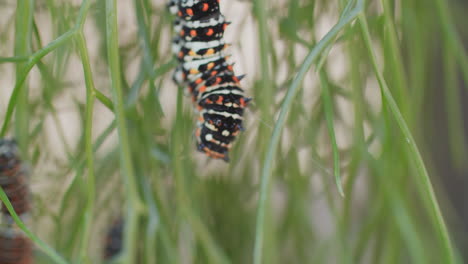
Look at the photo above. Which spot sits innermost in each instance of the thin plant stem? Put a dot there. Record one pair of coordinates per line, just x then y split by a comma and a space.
106, 101
261, 13
214, 253
35, 58
90, 97
329, 116
395, 58
41, 244
24, 17
423, 176
14, 100
280, 123
452, 37
135, 207
455, 128
14, 59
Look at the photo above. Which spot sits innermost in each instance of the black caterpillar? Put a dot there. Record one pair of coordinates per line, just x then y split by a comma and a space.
204, 69
15, 248
13, 178
113, 241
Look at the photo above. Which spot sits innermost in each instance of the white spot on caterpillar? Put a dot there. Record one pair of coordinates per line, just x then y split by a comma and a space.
210, 126
209, 137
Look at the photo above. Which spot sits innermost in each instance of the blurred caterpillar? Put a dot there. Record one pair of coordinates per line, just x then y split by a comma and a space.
204, 69
15, 248
113, 242
13, 178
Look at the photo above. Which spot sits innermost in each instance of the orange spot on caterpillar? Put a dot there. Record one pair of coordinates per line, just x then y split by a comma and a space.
213, 154
242, 102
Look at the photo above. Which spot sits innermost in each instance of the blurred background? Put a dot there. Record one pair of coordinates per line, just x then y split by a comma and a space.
186, 208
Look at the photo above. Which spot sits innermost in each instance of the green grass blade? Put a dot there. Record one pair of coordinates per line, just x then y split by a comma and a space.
41, 244
91, 192
213, 251
456, 130
135, 207
106, 101
27, 68
24, 18
280, 123
14, 59
423, 176
329, 115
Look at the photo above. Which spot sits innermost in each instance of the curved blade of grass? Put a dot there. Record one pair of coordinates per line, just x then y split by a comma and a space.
395, 64
27, 68
329, 116
419, 163
90, 97
35, 58
280, 123
41, 244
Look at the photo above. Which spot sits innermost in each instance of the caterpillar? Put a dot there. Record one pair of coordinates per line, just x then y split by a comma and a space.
15, 248
113, 240
13, 178
204, 69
